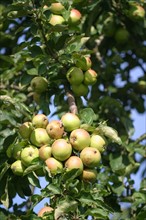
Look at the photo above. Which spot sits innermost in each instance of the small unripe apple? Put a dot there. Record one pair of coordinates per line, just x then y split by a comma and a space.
40, 121
79, 139
84, 62
74, 162
75, 75
28, 154
75, 16
89, 175
56, 8
45, 209
90, 77
39, 84
99, 142
80, 90
121, 35
55, 129
39, 137
17, 168
56, 20
25, 130
61, 149
70, 121
90, 157
54, 165
45, 152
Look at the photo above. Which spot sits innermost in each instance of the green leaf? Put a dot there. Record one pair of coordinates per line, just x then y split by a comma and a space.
4, 169
87, 115
34, 180
116, 162
54, 189
32, 71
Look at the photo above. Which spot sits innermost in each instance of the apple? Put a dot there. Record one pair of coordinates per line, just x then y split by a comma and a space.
40, 121
90, 77
89, 175
25, 129
39, 137
90, 157
121, 35
28, 154
45, 209
56, 8
55, 129
99, 142
136, 12
75, 75
61, 149
45, 152
17, 168
80, 90
141, 86
109, 26
75, 16
54, 165
70, 121
56, 20
39, 84
79, 139
16, 152
84, 62
74, 162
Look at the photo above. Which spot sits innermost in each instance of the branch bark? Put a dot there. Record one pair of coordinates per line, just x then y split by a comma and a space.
71, 102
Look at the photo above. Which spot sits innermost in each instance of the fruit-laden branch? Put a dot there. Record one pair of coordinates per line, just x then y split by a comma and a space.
72, 104
141, 138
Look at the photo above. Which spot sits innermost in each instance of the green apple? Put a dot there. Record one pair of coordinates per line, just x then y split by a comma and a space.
39, 84
56, 20
99, 142
90, 157
45, 209
90, 77
61, 149
75, 16
25, 130
54, 165
79, 139
89, 175
80, 90
84, 62
121, 35
40, 121
39, 137
55, 129
109, 26
75, 75
16, 152
74, 162
45, 152
28, 154
56, 8
70, 121
18, 168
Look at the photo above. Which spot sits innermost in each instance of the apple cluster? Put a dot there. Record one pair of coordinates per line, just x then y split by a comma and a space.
57, 10
81, 76
61, 145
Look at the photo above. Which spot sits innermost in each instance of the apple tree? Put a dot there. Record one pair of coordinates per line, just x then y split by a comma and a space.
67, 94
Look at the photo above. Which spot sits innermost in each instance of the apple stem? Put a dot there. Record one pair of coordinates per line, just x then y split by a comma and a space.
72, 104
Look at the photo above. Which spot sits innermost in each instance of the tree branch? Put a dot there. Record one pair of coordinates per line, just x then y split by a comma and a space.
141, 138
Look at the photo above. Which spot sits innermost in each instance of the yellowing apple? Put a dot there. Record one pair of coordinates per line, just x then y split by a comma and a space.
90, 157
40, 121
84, 62
61, 149
55, 129
99, 142
56, 20
75, 16
70, 121
28, 154
79, 139
74, 162
90, 77
39, 137
89, 175
17, 168
45, 209
54, 165
45, 152
56, 8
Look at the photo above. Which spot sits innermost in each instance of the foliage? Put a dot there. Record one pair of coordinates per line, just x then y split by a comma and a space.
30, 47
